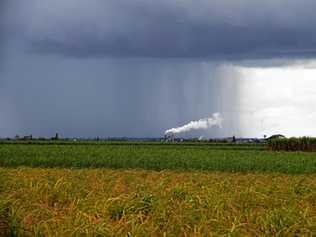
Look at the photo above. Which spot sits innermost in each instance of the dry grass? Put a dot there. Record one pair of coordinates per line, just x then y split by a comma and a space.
103, 202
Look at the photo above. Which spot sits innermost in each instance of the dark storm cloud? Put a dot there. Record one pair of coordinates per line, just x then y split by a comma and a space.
136, 68
108, 97
3, 35
3, 24
179, 28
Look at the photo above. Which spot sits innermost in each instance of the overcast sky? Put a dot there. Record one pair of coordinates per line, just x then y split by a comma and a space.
136, 68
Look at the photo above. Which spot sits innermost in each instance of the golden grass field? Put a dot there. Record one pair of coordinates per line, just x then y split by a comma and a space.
105, 202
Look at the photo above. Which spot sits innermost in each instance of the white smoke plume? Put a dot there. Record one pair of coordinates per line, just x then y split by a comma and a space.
214, 120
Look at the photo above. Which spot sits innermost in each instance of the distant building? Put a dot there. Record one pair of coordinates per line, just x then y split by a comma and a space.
170, 137
276, 136
202, 138
30, 137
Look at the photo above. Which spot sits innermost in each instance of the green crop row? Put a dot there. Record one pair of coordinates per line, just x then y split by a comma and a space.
293, 144
151, 157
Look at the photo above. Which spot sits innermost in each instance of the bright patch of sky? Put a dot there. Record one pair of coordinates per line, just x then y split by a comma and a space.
278, 100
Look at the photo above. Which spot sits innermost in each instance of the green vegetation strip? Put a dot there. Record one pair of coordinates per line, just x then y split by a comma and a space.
103, 202
152, 157
293, 144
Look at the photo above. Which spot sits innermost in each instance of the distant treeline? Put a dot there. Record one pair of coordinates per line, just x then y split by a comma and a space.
206, 144
293, 144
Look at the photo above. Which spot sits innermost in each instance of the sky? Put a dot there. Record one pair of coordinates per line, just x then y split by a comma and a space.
114, 68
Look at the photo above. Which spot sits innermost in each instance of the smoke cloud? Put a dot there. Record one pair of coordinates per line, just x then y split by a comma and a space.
215, 120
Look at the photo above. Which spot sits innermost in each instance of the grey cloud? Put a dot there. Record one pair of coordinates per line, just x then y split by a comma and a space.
110, 97
3, 24
164, 29
136, 68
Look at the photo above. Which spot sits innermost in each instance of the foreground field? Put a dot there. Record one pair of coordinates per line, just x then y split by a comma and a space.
103, 202
157, 156
155, 189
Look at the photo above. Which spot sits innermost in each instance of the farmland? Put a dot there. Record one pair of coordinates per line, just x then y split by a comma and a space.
157, 156
155, 189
